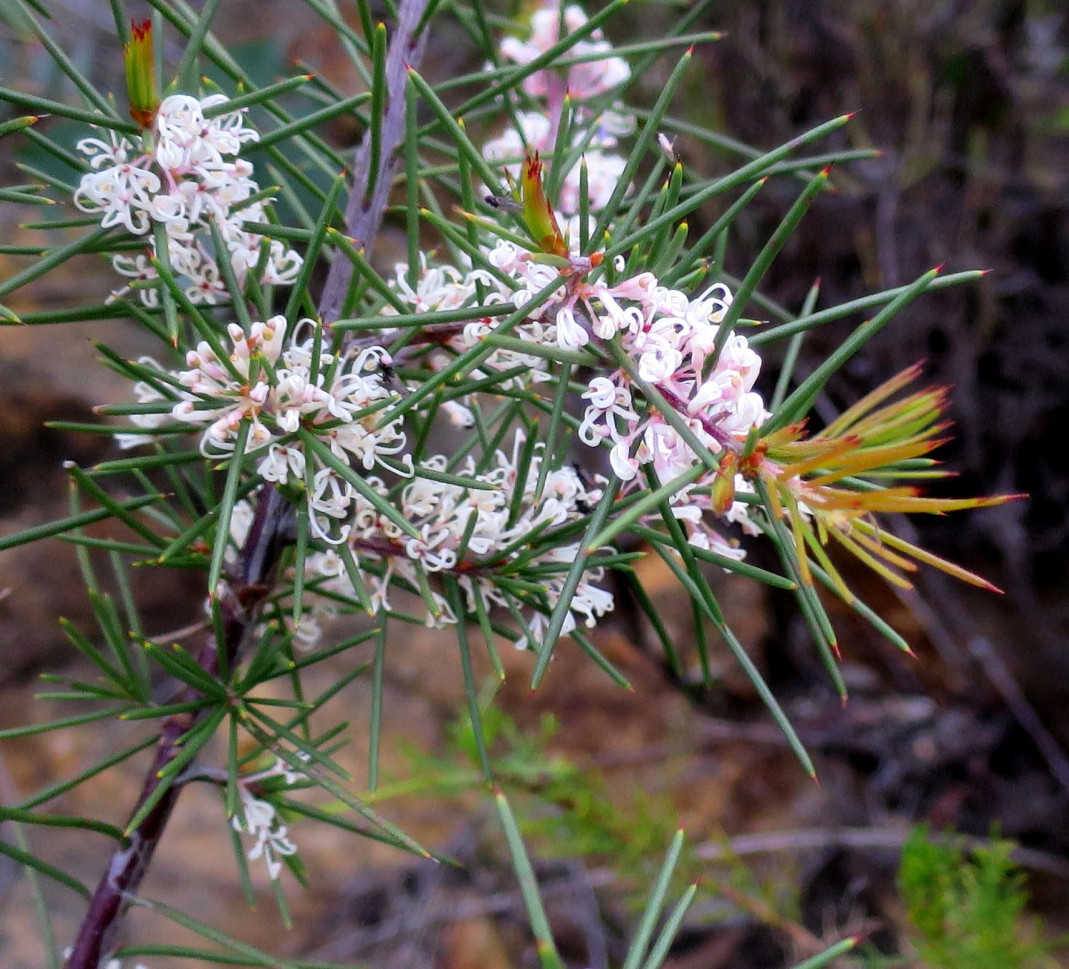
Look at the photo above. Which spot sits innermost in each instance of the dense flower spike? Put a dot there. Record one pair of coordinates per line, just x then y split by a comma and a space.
188, 176
668, 335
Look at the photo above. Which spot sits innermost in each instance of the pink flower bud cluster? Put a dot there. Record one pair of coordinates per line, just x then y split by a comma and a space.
187, 177
586, 80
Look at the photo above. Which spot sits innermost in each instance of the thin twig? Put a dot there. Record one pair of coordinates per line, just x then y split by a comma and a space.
867, 839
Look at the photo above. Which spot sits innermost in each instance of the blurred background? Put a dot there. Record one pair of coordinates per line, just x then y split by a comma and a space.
968, 102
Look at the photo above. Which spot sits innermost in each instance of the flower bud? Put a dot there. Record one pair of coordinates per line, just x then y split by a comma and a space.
723, 491
537, 212
140, 62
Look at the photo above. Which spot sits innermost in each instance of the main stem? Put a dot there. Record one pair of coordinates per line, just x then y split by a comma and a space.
252, 578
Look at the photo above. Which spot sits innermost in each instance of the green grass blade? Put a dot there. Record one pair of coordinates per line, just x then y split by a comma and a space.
652, 911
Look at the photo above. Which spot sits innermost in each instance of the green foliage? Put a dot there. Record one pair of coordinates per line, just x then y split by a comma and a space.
966, 906
569, 808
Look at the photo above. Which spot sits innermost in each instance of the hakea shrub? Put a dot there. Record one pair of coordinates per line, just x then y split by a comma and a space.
591, 364
668, 395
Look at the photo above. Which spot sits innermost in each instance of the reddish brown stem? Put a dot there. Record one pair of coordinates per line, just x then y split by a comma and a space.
252, 578
249, 585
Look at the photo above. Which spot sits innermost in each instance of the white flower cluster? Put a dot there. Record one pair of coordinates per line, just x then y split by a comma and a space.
185, 177
260, 819
279, 389
669, 335
595, 133
270, 385
467, 531
520, 280
444, 287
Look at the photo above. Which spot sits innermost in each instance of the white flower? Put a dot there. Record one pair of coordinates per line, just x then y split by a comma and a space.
259, 819
188, 176
570, 333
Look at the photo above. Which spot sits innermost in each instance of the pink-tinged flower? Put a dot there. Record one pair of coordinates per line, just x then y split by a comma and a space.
188, 176
586, 80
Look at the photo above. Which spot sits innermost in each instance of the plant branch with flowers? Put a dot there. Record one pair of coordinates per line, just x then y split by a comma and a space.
591, 358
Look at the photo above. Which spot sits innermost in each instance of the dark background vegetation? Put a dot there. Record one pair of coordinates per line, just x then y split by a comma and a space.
969, 104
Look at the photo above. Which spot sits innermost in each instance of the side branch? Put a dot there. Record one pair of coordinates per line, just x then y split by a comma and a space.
247, 588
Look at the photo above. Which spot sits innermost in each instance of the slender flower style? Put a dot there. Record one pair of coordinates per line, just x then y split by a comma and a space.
187, 176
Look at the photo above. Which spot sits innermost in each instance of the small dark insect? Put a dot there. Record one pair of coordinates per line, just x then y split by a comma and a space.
503, 203
390, 378
588, 482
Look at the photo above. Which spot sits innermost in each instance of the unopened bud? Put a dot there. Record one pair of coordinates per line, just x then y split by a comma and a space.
140, 62
723, 492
